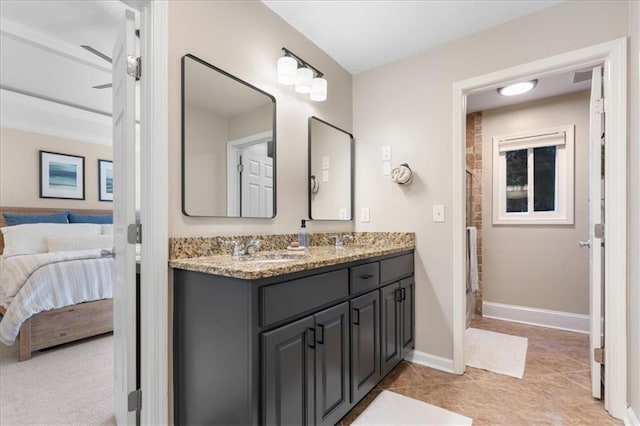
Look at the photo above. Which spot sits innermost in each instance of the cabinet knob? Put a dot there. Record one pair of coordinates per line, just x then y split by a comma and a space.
366, 276
356, 316
320, 334
311, 337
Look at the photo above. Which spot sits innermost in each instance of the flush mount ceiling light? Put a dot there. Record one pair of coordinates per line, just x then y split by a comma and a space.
307, 79
518, 88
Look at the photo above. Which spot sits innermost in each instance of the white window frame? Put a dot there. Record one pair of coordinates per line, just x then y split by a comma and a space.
563, 138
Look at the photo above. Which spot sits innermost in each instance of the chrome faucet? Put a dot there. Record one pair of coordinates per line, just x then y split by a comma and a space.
341, 241
240, 249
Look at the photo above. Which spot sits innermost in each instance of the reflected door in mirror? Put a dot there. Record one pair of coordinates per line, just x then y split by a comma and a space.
228, 144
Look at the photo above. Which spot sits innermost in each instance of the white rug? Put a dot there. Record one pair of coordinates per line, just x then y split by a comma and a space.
68, 385
393, 409
497, 352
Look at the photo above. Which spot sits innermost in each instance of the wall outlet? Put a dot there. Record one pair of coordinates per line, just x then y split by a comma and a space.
342, 213
364, 214
386, 168
438, 213
386, 153
325, 175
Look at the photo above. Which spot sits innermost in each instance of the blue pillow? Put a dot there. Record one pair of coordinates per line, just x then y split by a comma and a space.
89, 218
21, 219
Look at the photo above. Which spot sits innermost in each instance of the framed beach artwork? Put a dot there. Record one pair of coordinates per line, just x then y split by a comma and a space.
61, 176
105, 180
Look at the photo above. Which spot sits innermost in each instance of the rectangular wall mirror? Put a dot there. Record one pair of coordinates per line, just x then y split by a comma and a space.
330, 171
228, 144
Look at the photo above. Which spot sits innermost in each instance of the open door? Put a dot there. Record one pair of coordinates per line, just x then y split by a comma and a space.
124, 219
596, 229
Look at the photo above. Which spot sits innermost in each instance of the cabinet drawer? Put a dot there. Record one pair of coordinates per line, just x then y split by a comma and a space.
281, 301
364, 277
397, 267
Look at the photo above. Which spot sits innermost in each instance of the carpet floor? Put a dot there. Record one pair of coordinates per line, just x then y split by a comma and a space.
71, 384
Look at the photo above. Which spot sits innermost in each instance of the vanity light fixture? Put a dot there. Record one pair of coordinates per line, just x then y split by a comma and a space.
518, 88
307, 79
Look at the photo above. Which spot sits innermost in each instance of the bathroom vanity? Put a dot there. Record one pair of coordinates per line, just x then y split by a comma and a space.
288, 340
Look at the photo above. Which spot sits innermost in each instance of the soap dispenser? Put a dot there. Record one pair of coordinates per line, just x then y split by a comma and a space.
303, 236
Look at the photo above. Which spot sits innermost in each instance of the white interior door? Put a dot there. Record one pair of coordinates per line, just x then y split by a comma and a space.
596, 204
257, 181
124, 214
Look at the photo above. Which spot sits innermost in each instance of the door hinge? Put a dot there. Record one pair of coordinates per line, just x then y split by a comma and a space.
598, 230
599, 106
134, 400
134, 233
240, 168
598, 355
134, 66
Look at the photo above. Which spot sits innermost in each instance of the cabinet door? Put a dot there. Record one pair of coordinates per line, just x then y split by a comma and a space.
288, 374
365, 344
332, 364
390, 301
407, 315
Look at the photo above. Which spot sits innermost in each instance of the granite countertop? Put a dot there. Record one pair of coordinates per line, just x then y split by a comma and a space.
270, 265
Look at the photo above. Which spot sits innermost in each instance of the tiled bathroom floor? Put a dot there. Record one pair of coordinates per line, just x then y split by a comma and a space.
555, 389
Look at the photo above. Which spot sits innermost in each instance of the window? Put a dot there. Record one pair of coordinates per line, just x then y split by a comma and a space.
533, 177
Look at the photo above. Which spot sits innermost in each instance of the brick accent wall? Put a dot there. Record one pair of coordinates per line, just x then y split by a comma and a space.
474, 164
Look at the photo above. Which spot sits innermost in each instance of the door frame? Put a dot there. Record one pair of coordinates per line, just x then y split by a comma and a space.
154, 210
613, 54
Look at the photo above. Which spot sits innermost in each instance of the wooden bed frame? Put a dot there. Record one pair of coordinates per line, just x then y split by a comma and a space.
66, 324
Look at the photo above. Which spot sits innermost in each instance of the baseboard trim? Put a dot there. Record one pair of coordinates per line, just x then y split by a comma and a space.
429, 360
534, 316
631, 419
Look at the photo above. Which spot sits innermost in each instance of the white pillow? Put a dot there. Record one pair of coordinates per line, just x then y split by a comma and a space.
107, 229
83, 242
30, 238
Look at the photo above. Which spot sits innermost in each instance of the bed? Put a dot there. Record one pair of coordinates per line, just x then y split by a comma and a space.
67, 323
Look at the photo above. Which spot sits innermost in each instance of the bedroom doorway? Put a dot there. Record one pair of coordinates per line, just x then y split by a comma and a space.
613, 55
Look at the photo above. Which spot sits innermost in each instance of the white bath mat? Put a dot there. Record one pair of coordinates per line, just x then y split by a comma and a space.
497, 352
392, 409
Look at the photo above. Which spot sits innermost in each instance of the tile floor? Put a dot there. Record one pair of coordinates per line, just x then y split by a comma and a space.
555, 389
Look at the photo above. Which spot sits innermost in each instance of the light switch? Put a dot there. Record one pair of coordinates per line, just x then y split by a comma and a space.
386, 168
386, 153
438, 213
325, 175
325, 162
364, 214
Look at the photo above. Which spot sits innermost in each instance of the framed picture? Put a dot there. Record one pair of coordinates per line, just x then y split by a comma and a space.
61, 176
105, 180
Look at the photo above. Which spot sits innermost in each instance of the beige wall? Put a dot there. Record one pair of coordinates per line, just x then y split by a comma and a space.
245, 39
408, 104
20, 169
206, 159
257, 120
538, 266
633, 355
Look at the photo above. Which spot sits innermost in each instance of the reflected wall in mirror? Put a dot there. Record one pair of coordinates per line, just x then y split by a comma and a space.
330, 171
228, 144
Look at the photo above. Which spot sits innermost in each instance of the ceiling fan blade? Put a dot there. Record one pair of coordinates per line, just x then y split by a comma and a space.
102, 86
96, 52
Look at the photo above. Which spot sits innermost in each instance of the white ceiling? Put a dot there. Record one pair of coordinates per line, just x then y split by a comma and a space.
364, 34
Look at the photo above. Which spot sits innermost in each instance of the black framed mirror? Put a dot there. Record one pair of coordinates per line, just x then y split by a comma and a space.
228, 144
331, 171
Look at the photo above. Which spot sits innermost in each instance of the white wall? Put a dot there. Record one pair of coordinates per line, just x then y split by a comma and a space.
538, 266
408, 104
20, 169
245, 39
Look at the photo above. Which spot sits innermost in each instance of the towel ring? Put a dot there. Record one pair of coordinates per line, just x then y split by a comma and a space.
313, 184
402, 174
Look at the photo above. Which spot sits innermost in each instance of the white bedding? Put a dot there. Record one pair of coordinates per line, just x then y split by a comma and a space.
34, 283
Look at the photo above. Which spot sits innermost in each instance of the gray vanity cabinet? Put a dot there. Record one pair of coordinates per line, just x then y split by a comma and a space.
309, 357
288, 374
365, 344
300, 348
